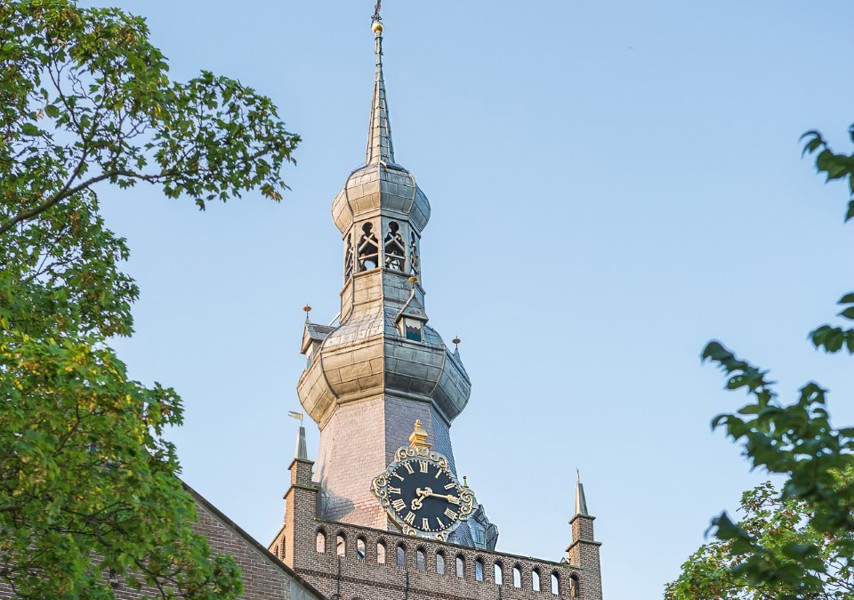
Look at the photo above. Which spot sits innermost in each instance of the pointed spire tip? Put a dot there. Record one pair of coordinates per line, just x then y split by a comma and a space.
380, 148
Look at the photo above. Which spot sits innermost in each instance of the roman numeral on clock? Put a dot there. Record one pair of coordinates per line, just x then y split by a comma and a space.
393, 490
409, 467
422, 465
441, 524
450, 486
451, 514
425, 524
409, 518
398, 505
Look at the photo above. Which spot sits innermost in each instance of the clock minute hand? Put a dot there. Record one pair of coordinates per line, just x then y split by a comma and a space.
424, 492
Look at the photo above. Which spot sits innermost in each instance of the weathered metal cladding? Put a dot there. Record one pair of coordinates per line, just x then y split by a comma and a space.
366, 357
376, 187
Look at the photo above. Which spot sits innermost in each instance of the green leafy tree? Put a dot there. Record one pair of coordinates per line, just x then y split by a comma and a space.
759, 557
778, 526
88, 485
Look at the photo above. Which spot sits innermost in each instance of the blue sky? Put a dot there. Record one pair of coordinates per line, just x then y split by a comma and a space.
613, 184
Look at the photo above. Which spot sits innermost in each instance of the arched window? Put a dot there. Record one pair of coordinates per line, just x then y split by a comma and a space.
348, 258
340, 545
394, 247
535, 579
360, 548
478, 569
420, 560
380, 553
517, 577
320, 542
461, 566
574, 587
498, 572
401, 555
555, 584
440, 563
414, 263
368, 249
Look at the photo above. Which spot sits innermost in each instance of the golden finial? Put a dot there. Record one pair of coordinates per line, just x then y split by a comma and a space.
376, 20
456, 342
307, 310
418, 439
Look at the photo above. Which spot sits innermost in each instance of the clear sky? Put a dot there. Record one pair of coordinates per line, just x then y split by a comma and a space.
613, 184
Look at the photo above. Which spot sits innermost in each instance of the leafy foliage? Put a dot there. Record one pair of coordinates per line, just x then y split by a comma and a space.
781, 527
797, 542
834, 166
88, 483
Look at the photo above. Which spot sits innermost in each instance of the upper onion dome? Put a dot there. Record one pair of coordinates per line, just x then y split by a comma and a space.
381, 183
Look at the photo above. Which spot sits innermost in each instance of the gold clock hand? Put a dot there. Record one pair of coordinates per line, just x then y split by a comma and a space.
424, 492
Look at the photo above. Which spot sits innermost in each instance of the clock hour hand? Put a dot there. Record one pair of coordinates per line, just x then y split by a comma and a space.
425, 492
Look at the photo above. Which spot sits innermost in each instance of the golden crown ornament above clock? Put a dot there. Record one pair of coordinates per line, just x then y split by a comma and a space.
420, 493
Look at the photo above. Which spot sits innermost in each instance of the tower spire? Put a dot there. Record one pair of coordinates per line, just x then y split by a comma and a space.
300, 452
380, 148
580, 500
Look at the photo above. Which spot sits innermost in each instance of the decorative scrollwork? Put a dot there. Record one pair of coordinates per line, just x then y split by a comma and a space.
380, 485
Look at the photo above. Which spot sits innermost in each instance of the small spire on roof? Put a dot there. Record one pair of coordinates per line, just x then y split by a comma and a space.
307, 310
380, 148
301, 451
418, 439
580, 500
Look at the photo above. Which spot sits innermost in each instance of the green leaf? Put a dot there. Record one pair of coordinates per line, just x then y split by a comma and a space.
51, 111
30, 129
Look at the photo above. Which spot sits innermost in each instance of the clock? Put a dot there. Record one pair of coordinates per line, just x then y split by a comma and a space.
421, 494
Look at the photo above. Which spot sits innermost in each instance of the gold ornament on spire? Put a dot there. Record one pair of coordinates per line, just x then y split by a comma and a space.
418, 439
376, 20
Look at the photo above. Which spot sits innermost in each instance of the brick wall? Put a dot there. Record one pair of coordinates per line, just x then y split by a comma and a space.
264, 576
343, 561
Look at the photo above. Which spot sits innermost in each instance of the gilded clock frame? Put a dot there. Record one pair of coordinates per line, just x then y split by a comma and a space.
380, 488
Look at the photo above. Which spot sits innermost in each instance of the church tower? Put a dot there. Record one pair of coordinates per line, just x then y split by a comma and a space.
382, 515
382, 367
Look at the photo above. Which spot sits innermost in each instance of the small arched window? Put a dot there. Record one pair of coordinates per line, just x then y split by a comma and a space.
535, 579
368, 249
440, 563
555, 584
320, 542
401, 555
498, 573
360, 548
461, 566
574, 587
517, 577
478, 569
340, 545
420, 560
380, 553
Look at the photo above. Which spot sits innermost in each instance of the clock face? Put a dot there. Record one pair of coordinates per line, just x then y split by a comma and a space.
422, 495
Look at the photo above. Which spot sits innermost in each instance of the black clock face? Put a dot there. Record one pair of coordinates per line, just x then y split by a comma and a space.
423, 495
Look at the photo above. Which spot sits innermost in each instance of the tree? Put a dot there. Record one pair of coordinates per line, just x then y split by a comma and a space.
758, 557
88, 482
777, 526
